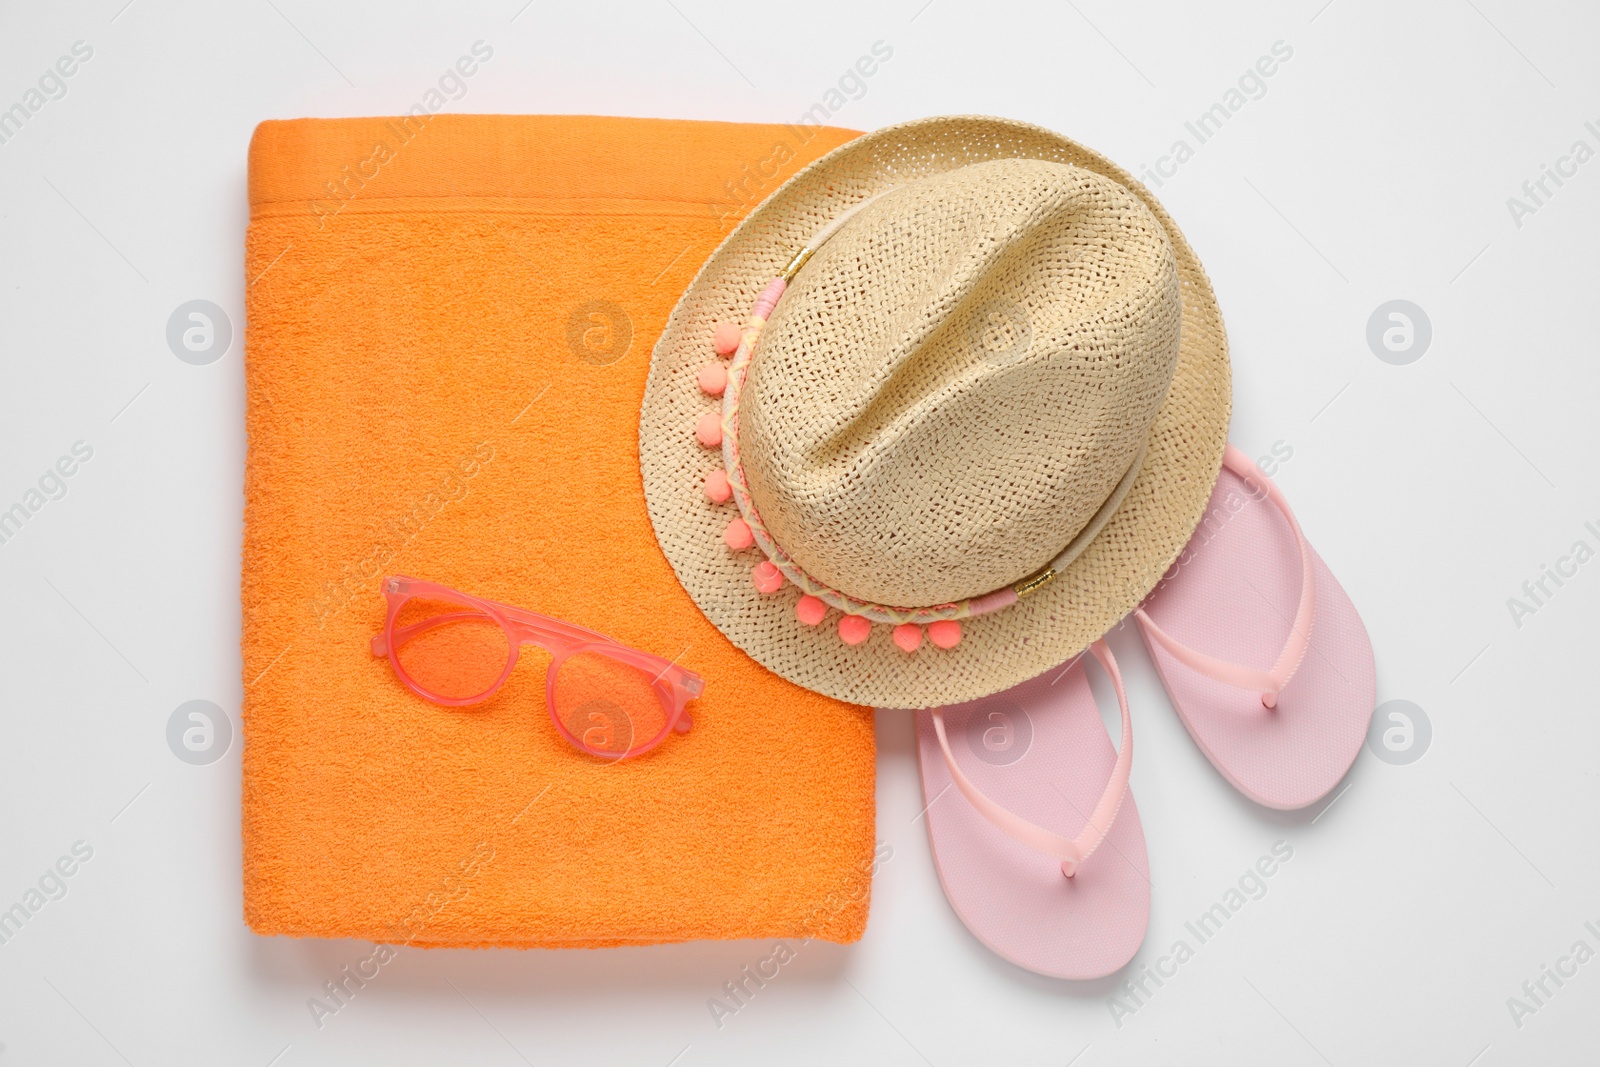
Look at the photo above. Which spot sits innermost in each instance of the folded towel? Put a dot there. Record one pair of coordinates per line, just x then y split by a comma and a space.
449, 325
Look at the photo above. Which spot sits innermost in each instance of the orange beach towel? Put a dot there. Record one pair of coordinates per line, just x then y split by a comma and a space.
449, 324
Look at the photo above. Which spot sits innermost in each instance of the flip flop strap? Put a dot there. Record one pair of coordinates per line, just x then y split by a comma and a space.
1071, 851
1271, 681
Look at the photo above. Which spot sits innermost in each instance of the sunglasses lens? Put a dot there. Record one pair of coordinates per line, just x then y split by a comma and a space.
452, 651
610, 707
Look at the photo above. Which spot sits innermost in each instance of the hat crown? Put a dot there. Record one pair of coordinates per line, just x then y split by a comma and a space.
959, 379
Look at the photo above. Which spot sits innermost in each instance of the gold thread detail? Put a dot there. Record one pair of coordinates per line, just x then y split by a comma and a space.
796, 263
1035, 583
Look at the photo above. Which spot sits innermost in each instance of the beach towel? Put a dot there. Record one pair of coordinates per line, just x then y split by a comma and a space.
449, 321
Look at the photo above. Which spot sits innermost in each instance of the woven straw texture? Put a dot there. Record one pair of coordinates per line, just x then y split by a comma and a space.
948, 393
959, 378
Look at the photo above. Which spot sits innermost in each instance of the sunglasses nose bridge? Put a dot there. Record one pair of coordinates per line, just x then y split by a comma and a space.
558, 647
380, 646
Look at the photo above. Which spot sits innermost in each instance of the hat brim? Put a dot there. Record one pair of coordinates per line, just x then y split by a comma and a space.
1106, 581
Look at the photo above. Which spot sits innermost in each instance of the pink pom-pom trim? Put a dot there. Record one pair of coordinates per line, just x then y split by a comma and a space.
713, 379
908, 636
810, 610
854, 629
725, 338
738, 536
767, 577
708, 431
946, 633
718, 491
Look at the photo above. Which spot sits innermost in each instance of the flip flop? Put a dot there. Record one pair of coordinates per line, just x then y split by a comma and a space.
1041, 854
1261, 651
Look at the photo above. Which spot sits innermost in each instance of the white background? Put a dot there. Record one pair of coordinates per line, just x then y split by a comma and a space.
1376, 166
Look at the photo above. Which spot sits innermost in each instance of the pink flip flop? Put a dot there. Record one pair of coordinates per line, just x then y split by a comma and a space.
1042, 854
1260, 649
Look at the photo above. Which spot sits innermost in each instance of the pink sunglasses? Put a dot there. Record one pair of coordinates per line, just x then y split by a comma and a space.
605, 698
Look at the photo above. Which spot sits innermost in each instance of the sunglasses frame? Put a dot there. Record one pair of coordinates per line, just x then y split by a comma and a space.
674, 686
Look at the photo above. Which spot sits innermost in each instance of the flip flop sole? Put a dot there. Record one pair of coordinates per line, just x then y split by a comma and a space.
1234, 598
1040, 750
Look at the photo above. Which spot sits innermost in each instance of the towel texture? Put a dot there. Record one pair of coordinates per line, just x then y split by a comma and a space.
449, 325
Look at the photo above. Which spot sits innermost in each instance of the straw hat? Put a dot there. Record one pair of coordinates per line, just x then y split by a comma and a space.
963, 433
